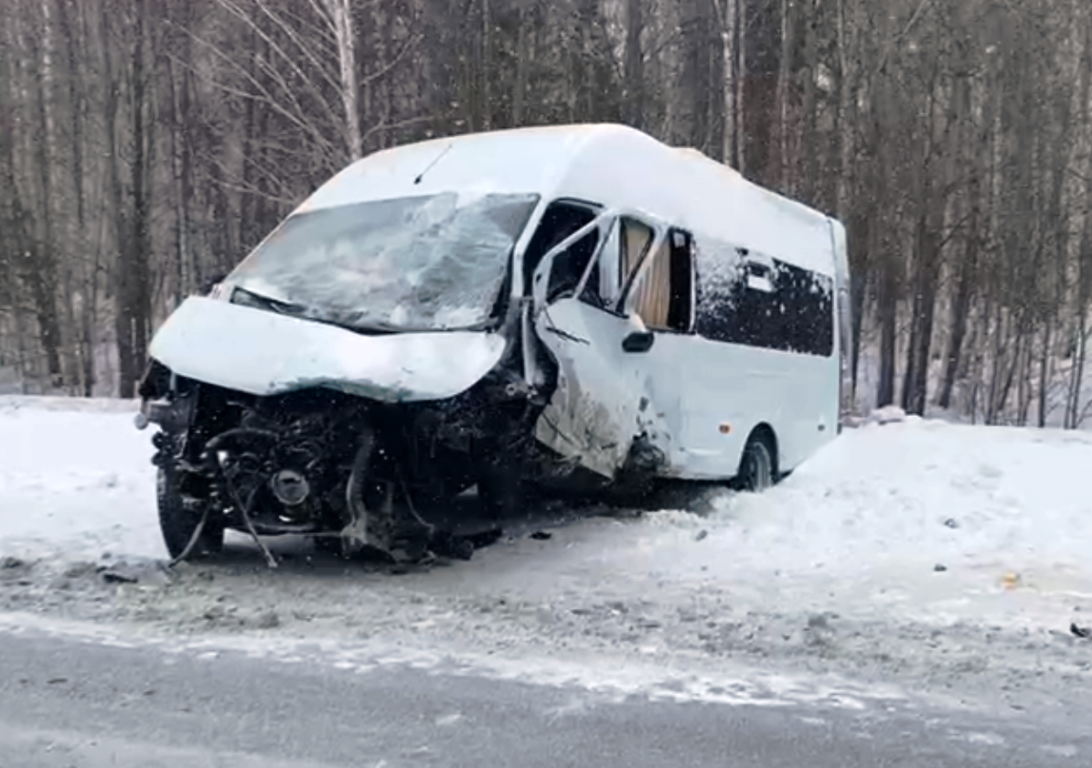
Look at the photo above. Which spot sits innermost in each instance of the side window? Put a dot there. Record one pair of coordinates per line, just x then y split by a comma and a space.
570, 265
636, 238
764, 303
807, 310
662, 297
626, 244
559, 221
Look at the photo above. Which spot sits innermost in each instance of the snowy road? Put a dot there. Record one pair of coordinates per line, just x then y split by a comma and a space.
64, 702
948, 561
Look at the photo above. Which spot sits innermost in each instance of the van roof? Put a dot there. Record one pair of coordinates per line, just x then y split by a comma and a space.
612, 165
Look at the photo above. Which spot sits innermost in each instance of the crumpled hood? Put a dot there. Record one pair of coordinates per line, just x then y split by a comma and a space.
263, 353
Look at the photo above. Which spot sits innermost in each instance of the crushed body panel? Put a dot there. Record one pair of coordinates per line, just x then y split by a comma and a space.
263, 353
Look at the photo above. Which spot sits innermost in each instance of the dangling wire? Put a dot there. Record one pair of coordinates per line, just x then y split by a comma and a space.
244, 510
193, 539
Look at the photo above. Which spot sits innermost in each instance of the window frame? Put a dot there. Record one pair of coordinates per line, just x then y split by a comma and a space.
662, 242
606, 220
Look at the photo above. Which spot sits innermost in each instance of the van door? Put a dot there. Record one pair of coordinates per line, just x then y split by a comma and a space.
592, 417
659, 295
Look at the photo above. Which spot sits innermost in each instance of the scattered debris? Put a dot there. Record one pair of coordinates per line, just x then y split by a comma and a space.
701, 535
57, 680
1082, 632
951, 522
940, 568
117, 577
542, 535
1010, 580
11, 562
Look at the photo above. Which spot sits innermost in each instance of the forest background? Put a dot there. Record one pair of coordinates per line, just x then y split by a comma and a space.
147, 145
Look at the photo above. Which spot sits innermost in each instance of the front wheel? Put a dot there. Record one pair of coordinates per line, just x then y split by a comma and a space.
178, 519
756, 468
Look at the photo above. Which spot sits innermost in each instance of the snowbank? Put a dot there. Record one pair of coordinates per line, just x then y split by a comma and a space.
75, 479
934, 521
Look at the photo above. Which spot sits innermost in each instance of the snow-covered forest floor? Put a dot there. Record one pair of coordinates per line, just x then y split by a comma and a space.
929, 556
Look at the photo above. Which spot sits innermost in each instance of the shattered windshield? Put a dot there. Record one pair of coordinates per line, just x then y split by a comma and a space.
418, 263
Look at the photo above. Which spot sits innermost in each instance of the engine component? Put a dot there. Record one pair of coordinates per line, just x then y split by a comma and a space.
290, 487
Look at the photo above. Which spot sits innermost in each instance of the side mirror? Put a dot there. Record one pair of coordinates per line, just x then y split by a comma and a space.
638, 341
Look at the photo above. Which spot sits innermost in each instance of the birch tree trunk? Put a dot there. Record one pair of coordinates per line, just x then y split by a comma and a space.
340, 18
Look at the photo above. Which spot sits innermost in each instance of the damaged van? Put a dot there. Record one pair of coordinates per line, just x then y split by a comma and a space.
508, 310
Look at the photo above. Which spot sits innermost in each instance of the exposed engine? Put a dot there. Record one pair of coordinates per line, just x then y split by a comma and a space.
352, 472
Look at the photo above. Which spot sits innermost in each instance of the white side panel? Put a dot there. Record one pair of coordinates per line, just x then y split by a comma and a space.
263, 353
733, 388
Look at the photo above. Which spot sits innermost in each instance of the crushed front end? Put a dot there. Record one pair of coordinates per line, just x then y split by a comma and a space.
352, 472
358, 370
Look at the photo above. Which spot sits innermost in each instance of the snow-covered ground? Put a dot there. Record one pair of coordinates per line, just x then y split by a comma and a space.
917, 551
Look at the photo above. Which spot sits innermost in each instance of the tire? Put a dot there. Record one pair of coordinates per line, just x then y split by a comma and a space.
756, 467
177, 523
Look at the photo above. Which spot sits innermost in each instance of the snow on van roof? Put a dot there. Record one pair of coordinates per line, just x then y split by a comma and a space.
608, 164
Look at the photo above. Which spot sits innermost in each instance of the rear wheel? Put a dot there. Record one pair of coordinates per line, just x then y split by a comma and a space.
756, 469
178, 519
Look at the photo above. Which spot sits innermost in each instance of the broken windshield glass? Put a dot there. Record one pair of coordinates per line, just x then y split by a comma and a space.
420, 263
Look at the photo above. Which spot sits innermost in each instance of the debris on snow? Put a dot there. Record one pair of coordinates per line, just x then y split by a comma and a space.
1082, 632
542, 535
455, 547
117, 577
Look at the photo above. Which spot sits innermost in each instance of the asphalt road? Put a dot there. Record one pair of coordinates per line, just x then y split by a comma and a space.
76, 704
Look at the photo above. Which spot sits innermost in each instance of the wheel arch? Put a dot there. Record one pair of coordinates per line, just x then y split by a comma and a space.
763, 431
